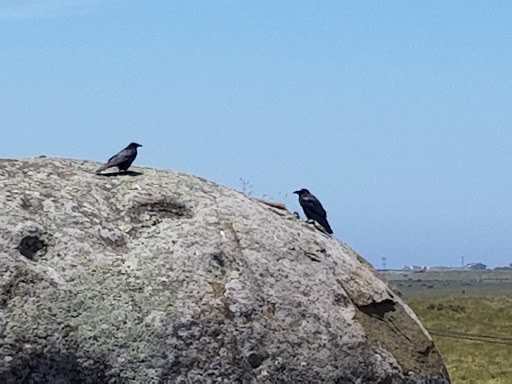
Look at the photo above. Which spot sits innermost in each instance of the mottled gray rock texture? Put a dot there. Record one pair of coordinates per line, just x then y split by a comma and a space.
163, 277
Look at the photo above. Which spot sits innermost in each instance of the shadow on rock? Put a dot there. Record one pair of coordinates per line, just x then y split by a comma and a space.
56, 368
113, 174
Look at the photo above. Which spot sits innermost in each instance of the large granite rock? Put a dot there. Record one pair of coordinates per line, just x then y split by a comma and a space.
164, 277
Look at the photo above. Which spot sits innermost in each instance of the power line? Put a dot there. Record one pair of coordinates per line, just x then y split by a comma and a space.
471, 336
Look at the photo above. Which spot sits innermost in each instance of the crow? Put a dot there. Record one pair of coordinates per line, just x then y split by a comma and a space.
123, 159
313, 208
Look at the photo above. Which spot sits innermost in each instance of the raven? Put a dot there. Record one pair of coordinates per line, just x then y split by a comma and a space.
313, 208
123, 159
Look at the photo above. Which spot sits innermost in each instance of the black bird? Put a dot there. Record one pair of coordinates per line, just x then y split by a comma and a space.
313, 208
123, 159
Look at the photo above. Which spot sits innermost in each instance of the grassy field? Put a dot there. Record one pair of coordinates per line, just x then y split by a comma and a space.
470, 361
485, 308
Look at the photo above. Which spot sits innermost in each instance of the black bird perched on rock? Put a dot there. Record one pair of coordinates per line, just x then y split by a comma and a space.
123, 159
313, 208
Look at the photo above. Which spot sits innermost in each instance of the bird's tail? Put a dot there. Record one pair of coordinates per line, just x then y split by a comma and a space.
326, 226
103, 167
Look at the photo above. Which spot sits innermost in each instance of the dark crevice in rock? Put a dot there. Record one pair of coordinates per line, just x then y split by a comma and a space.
218, 257
255, 359
379, 309
30, 246
427, 350
168, 208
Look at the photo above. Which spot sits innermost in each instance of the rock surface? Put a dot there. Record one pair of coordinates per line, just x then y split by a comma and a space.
163, 277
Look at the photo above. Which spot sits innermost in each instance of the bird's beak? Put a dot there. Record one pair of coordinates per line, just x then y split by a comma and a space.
297, 192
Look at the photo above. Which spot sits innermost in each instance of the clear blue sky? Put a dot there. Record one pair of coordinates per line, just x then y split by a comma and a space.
396, 114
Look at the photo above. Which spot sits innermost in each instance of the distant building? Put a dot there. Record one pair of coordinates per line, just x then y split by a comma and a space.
476, 266
414, 268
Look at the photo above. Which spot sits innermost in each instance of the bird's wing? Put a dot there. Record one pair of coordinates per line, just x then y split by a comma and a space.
121, 157
313, 205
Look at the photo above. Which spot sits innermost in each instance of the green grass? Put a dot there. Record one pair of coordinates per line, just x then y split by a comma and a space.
470, 361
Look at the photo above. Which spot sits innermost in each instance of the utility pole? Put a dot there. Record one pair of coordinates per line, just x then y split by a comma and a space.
462, 262
383, 258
